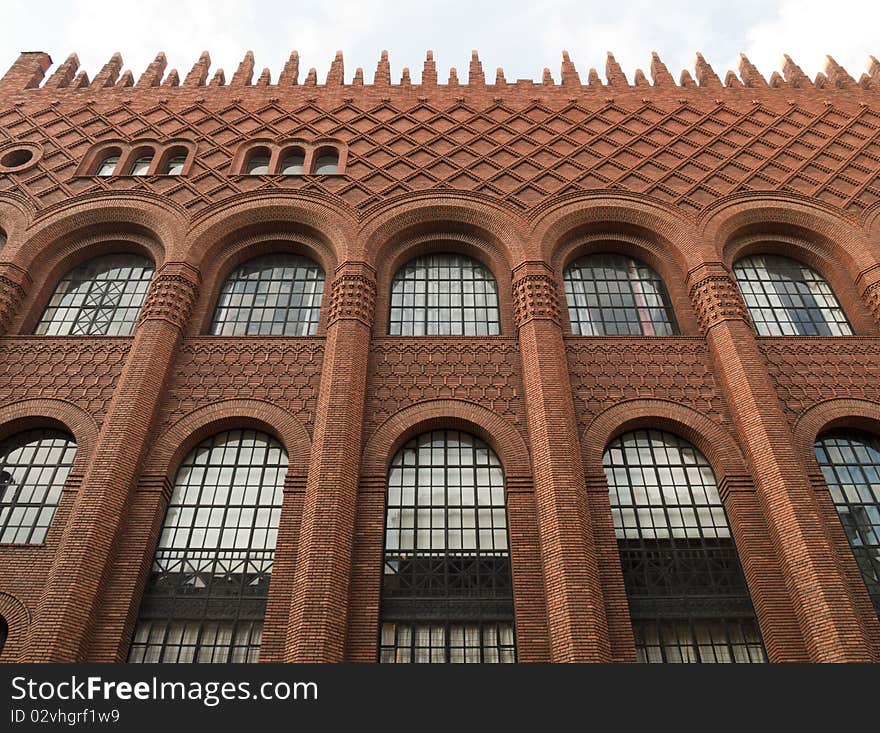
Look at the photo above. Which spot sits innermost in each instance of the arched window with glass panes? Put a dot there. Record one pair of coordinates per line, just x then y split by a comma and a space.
206, 595
787, 298
101, 297
446, 591
273, 295
613, 295
850, 462
444, 295
33, 468
687, 595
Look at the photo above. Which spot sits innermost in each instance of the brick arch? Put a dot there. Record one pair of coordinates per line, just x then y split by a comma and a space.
414, 215
320, 217
871, 222
181, 437
14, 217
18, 618
830, 414
713, 441
469, 417
52, 413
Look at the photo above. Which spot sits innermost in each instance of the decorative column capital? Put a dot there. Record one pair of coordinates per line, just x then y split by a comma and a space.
869, 282
535, 294
353, 294
172, 295
14, 282
715, 295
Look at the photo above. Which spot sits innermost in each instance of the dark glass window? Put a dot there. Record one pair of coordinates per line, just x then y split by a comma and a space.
850, 461
447, 593
687, 594
141, 166
258, 163
107, 166
275, 295
327, 163
293, 164
99, 298
444, 294
206, 596
174, 166
33, 468
786, 298
614, 295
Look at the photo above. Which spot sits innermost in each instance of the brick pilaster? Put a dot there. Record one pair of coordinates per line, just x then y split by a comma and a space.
575, 605
868, 282
816, 587
319, 608
66, 611
14, 284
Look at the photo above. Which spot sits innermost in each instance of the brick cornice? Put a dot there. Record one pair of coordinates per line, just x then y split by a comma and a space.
535, 294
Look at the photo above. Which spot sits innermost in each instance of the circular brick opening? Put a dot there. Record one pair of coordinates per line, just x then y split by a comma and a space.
19, 158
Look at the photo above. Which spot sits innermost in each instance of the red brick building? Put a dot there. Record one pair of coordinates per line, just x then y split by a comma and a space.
561, 371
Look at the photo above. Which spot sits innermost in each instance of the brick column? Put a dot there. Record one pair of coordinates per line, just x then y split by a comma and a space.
575, 604
14, 284
319, 609
67, 608
817, 589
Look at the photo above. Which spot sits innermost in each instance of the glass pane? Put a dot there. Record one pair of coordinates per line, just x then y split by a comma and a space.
293, 164
174, 167
258, 164
141, 166
107, 166
327, 164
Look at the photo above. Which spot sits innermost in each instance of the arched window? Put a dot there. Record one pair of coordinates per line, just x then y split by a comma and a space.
258, 162
687, 595
613, 295
174, 165
444, 294
786, 298
4, 634
141, 165
326, 162
99, 298
293, 163
850, 461
107, 165
447, 592
206, 596
33, 468
277, 295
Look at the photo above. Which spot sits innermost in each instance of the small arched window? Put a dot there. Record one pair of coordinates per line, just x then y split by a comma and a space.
444, 294
446, 590
787, 298
326, 162
107, 165
687, 595
614, 295
293, 163
274, 295
850, 462
99, 298
33, 468
258, 162
174, 165
141, 165
206, 596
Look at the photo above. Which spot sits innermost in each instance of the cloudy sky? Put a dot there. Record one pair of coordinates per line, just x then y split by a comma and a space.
522, 37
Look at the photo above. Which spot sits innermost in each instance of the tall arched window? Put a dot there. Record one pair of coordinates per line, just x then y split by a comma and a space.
687, 595
613, 295
274, 295
850, 461
446, 593
787, 298
33, 468
206, 596
444, 294
99, 298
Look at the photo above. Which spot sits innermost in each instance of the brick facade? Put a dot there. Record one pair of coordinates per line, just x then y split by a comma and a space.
686, 176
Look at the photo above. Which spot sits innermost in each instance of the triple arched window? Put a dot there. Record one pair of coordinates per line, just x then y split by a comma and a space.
444, 295
787, 298
33, 468
206, 596
850, 462
101, 297
446, 590
613, 295
687, 595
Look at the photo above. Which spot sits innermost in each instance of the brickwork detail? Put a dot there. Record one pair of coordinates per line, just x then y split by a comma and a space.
353, 296
171, 298
535, 296
716, 298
